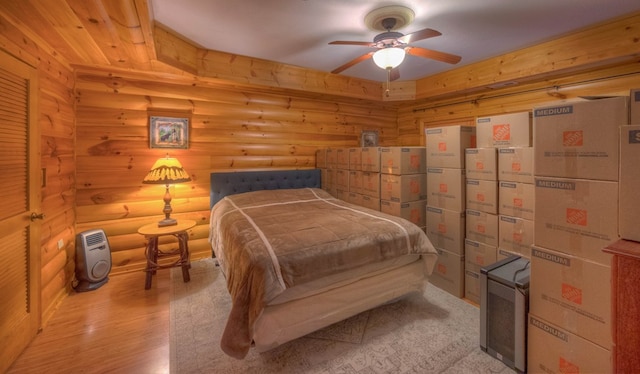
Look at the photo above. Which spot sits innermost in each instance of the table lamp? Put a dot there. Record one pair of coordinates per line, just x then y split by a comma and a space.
167, 171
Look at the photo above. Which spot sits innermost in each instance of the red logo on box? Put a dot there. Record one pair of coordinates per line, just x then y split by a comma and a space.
572, 138
443, 187
517, 202
577, 216
415, 216
481, 229
442, 147
567, 367
480, 165
442, 269
479, 260
415, 162
517, 237
480, 197
516, 166
502, 132
442, 228
414, 187
571, 293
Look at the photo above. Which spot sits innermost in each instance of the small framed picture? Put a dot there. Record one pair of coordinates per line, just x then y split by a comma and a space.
168, 132
369, 139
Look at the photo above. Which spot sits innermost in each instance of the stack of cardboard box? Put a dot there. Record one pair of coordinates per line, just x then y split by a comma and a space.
446, 202
576, 159
493, 202
403, 183
351, 174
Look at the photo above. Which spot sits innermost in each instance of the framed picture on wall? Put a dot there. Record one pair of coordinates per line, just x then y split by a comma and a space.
168, 132
369, 139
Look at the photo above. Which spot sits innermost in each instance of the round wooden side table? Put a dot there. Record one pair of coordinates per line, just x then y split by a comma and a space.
152, 233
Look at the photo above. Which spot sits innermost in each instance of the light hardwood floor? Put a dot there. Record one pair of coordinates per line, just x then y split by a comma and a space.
118, 328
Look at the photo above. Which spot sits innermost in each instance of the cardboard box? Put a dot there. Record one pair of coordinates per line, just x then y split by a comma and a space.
576, 216
414, 211
446, 145
331, 158
503, 253
579, 139
482, 227
515, 235
355, 181
341, 179
515, 164
629, 181
342, 158
371, 159
517, 199
326, 179
478, 255
482, 195
403, 188
504, 130
481, 163
472, 286
321, 158
446, 229
448, 273
370, 184
403, 160
370, 202
572, 293
634, 105
446, 188
353, 198
355, 158
552, 349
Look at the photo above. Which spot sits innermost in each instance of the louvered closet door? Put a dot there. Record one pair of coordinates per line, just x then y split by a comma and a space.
19, 197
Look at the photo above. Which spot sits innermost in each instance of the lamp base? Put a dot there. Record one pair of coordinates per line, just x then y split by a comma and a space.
167, 222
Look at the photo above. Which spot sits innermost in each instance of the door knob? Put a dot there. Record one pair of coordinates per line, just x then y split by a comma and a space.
35, 216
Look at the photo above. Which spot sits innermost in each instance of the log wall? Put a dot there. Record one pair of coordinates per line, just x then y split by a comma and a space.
231, 129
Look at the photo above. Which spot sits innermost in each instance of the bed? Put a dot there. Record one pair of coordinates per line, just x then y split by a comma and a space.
296, 259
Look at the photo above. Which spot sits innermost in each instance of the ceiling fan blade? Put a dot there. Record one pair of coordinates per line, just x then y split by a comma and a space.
394, 74
419, 35
434, 55
343, 42
352, 62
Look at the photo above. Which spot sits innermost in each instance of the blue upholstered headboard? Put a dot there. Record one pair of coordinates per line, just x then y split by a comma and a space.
223, 184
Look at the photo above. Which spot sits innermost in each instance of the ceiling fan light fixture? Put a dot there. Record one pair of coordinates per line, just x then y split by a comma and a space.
388, 58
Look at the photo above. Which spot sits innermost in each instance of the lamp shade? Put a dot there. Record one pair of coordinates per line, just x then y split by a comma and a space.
166, 170
388, 58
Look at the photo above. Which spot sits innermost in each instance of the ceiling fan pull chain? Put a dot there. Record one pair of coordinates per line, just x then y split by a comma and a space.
388, 81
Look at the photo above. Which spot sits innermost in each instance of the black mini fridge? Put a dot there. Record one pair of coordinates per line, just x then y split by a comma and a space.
504, 305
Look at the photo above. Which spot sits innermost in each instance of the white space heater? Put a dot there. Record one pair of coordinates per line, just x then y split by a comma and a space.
93, 260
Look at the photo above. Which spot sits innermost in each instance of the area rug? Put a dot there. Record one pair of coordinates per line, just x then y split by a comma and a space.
433, 332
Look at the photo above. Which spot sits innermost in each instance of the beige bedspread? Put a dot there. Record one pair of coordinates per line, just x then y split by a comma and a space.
268, 241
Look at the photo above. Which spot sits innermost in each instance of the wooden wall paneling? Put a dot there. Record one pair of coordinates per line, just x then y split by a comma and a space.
231, 129
120, 34
174, 50
21, 38
267, 73
612, 43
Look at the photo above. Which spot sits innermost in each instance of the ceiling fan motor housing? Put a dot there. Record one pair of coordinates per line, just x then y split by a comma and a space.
388, 39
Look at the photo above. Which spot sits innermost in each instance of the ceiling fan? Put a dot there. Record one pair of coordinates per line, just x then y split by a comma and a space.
392, 47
